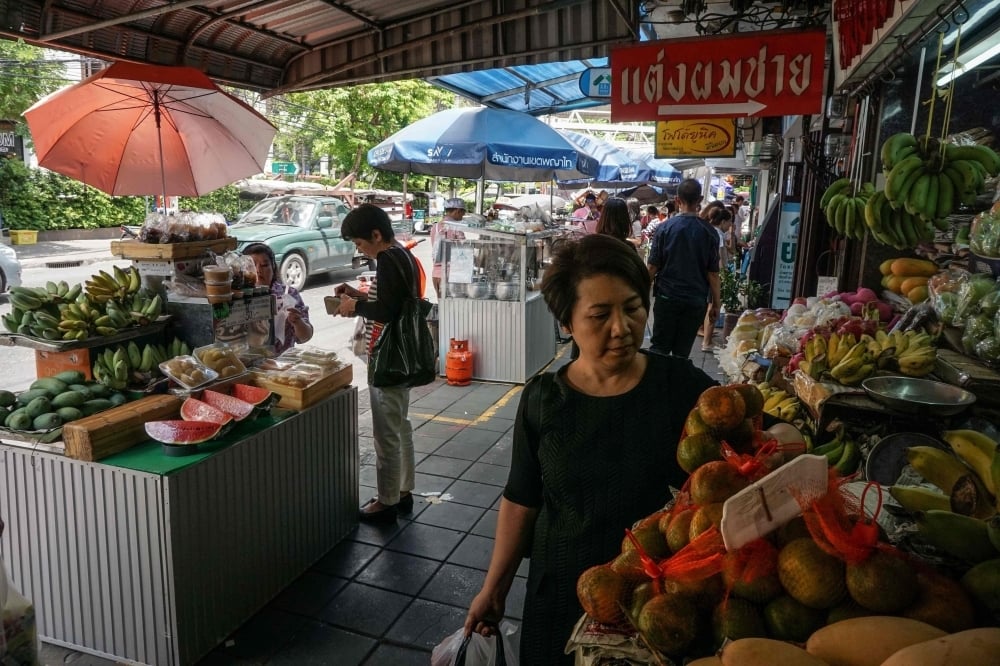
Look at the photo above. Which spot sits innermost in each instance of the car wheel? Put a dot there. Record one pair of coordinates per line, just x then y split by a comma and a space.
294, 271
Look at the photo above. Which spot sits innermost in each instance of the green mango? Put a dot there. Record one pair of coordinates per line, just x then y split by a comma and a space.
19, 420
38, 406
49, 384
71, 377
95, 405
84, 389
68, 414
7, 398
69, 399
47, 421
117, 399
25, 397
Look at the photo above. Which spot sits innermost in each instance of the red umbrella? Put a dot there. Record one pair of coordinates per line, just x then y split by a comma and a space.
148, 129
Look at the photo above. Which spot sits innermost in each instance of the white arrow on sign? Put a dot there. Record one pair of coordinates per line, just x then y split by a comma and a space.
750, 108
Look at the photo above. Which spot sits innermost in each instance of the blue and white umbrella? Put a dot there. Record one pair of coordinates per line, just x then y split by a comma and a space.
482, 143
663, 171
617, 167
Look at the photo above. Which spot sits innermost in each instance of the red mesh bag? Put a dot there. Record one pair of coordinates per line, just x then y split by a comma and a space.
752, 564
698, 560
838, 524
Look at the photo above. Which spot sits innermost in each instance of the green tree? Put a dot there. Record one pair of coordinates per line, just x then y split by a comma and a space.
25, 77
342, 124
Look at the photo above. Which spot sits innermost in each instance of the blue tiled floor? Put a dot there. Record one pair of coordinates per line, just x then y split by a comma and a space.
388, 594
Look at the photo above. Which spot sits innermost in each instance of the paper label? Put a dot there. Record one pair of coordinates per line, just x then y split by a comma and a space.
768, 504
461, 264
825, 284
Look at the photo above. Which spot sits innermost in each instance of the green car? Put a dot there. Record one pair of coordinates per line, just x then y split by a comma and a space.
303, 232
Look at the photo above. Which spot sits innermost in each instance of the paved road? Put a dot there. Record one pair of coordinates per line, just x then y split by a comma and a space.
17, 365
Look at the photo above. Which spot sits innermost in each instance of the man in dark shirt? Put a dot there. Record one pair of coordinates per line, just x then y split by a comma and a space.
684, 264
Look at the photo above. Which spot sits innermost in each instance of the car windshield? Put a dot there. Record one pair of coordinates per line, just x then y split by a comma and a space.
292, 212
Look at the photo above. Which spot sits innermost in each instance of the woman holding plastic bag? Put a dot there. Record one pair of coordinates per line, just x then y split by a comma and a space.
594, 445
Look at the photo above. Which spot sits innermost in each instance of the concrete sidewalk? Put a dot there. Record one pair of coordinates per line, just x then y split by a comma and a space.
63, 253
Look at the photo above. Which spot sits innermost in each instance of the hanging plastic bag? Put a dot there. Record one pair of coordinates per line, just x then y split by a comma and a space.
18, 632
476, 649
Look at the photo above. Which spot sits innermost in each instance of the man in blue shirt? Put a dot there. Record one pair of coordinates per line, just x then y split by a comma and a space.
684, 264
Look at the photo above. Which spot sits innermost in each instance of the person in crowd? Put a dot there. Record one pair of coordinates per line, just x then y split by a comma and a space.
720, 219
396, 277
741, 216
684, 263
589, 213
594, 445
635, 215
615, 221
454, 211
291, 320
652, 214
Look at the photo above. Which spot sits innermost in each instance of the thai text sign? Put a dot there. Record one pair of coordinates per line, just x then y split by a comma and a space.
713, 137
777, 73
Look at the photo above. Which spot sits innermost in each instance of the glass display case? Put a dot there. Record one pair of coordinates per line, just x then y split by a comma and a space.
490, 297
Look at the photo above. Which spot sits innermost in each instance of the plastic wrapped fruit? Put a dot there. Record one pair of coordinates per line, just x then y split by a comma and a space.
984, 237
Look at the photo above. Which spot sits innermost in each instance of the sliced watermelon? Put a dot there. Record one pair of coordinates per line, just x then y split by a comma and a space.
183, 432
252, 394
196, 410
235, 407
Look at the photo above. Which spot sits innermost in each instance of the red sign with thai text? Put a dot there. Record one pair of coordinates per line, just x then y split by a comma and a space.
776, 73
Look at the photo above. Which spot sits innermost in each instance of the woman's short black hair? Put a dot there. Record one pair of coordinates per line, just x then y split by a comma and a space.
594, 254
261, 248
365, 219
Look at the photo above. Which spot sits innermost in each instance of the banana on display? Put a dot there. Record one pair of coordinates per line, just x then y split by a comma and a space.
926, 180
844, 206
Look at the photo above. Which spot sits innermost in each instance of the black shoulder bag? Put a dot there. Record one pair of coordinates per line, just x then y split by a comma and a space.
404, 352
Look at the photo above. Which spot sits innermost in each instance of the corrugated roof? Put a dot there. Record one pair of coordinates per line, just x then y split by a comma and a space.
535, 89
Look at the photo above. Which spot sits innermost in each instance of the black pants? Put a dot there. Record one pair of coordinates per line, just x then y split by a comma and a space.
675, 326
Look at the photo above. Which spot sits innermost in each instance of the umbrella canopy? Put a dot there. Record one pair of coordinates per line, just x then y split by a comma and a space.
146, 129
663, 171
543, 201
617, 167
482, 143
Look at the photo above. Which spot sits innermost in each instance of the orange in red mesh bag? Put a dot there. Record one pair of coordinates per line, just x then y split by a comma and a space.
877, 576
689, 582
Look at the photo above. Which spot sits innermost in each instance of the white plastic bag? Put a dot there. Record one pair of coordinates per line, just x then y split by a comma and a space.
478, 649
18, 633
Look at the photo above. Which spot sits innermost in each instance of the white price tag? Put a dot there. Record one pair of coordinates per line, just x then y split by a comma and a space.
825, 284
768, 504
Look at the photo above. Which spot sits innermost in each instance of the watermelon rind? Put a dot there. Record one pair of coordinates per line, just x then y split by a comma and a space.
233, 406
178, 431
198, 410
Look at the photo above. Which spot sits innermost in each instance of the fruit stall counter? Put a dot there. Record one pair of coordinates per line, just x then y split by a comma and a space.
155, 559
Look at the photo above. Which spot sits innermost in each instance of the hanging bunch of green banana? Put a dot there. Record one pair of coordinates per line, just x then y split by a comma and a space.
844, 207
897, 227
929, 179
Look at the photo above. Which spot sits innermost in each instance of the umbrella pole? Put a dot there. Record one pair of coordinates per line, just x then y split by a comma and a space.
406, 178
159, 144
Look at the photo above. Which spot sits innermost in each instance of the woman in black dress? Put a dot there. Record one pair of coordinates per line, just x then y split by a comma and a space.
594, 445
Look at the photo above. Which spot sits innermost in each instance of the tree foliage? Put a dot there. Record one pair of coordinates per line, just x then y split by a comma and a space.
25, 77
342, 124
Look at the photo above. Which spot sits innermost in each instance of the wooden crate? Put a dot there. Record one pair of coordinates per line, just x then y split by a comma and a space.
299, 398
133, 249
101, 435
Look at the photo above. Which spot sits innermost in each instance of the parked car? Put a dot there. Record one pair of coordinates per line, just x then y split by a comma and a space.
10, 269
303, 232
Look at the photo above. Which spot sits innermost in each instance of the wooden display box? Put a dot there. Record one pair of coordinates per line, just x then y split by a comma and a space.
117, 429
298, 399
49, 363
133, 249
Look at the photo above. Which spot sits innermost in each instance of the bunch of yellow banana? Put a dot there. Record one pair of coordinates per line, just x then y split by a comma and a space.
852, 361
779, 403
929, 178
102, 286
912, 352
844, 207
813, 361
961, 520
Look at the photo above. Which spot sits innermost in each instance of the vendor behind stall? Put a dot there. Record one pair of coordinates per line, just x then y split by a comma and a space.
291, 318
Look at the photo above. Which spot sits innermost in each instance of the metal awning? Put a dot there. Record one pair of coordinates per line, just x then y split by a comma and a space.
536, 89
278, 46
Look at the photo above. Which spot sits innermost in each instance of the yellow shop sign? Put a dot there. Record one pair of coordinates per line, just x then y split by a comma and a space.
708, 137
